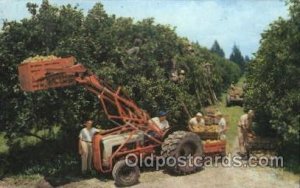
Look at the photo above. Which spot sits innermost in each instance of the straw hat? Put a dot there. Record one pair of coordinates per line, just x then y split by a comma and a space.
219, 114
199, 114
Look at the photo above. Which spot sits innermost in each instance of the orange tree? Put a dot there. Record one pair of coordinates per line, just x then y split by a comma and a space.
139, 56
274, 81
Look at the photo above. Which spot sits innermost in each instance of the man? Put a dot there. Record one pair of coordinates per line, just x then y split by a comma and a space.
232, 87
244, 125
85, 146
196, 121
161, 121
223, 125
181, 76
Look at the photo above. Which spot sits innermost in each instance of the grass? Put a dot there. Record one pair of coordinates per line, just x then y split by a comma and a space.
23, 180
232, 115
11, 154
29, 140
3, 145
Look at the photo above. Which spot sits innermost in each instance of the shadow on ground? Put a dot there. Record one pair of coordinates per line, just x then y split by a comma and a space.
55, 160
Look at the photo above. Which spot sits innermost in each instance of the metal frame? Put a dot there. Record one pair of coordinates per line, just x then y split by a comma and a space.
134, 119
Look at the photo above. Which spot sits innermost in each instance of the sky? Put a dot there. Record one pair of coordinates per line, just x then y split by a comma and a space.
229, 22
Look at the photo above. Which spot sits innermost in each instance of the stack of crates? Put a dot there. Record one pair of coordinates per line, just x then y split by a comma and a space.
218, 146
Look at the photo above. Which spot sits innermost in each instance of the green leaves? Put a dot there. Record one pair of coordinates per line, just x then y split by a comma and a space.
217, 49
236, 57
274, 74
101, 42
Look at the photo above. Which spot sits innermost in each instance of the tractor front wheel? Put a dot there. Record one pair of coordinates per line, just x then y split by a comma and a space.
125, 175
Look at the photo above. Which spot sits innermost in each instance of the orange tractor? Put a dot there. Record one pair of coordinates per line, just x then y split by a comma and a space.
133, 134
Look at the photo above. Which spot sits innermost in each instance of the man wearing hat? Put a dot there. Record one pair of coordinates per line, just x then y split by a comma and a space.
244, 126
161, 121
181, 76
85, 145
198, 120
222, 124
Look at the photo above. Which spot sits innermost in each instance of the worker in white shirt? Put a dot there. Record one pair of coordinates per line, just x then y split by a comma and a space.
244, 126
198, 120
222, 124
85, 145
161, 121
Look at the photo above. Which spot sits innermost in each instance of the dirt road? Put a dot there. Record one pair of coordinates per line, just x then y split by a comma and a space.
225, 177
210, 177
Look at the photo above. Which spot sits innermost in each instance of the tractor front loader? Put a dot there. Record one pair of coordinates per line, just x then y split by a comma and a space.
135, 135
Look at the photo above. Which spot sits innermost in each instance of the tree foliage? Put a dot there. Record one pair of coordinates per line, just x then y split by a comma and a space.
140, 56
217, 49
247, 59
274, 80
237, 57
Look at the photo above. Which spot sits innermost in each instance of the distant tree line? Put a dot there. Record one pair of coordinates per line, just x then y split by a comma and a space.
235, 56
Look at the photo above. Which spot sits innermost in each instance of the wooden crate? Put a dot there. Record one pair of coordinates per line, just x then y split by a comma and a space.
31, 74
214, 148
209, 135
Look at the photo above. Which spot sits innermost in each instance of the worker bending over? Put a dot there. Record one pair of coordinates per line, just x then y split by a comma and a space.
222, 124
196, 121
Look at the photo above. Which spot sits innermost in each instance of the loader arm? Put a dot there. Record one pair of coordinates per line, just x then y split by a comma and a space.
135, 134
117, 107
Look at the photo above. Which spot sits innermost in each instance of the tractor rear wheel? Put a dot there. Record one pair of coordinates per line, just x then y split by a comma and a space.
182, 148
125, 175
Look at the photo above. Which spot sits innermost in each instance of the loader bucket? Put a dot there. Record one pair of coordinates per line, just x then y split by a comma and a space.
32, 75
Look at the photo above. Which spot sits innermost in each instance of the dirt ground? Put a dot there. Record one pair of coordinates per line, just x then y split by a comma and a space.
212, 177
262, 177
225, 177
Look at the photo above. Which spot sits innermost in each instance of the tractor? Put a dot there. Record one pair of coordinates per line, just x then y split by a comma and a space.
133, 133
235, 96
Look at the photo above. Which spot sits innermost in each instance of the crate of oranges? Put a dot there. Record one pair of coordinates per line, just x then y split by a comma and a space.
32, 70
